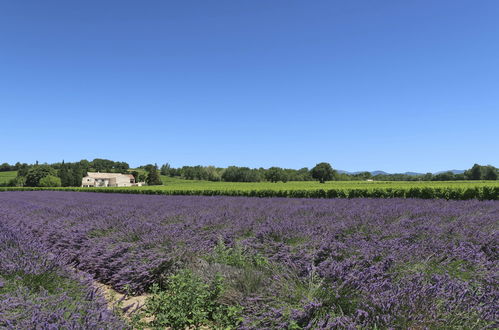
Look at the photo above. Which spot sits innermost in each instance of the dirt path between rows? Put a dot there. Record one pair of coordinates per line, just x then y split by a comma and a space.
127, 304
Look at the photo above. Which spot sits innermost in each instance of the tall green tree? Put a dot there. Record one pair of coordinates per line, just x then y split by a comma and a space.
212, 173
65, 175
165, 169
445, 176
322, 172
240, 174
76, 174
36, 173
142, 177
49, 181
153, 178
276, 174
22, 170
6, 167
427, 177
475, 173
490, 173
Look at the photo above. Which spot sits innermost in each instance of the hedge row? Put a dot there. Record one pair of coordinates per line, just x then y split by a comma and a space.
481, 193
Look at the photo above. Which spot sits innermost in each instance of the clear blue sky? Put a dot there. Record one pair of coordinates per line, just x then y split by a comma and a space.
365, 85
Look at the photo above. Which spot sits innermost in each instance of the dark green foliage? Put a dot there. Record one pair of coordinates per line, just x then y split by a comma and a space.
105, 165
236, 174
77, 174
147, 167
475, 173
153, 178
479, 172
427, 177
322, 172
276, 174
36, 173
50, 181
240, 174
187, 301
445, 176
16, 182
165, 169
362, 175
70, 174
303, 174
490, 173
6, 167
209, 173
65, 175
23, 170
142, 177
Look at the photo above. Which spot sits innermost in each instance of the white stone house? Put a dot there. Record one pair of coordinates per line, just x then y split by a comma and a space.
97, 179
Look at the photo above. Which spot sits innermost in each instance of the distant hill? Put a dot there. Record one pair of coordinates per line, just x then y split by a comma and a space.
374, 173
345, 172
378, 172
413, 173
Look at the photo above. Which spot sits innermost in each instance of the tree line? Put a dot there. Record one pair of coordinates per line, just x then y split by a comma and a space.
477, 172
321, 172
236, 173
70, 174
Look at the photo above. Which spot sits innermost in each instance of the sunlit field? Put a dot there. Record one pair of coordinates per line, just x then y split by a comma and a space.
303, 189
7, 176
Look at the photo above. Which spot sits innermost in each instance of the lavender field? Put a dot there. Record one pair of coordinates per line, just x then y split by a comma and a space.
280, 263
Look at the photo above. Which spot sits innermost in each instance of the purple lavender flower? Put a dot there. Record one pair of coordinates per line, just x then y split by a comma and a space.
338, 263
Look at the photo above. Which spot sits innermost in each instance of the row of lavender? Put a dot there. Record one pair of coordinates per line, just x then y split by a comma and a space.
37, 290
334, 263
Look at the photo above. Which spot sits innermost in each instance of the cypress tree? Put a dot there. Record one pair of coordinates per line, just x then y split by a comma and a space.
64, 175
77, 175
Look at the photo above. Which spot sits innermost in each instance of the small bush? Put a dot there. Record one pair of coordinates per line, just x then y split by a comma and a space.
49, 181
236, 256
188, 302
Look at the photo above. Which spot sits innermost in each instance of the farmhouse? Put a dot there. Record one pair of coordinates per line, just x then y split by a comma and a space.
97, 179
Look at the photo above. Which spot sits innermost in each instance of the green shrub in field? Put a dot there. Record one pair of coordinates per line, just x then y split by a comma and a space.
188, 302
50, 181
36, 173
236, 256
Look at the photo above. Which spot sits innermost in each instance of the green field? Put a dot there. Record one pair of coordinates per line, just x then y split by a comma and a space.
331, 189
484, 190
179, 184
7, 176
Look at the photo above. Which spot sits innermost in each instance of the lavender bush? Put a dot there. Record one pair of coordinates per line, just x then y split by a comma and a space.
295, 263
38, 291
